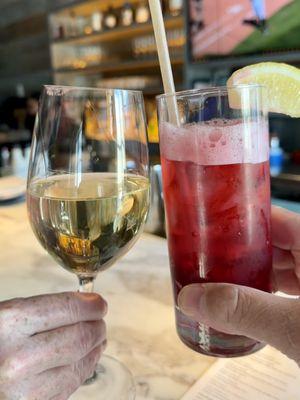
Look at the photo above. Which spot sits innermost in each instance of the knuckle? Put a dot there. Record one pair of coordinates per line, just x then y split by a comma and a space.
240, 304
84, 336
72, 305
98, 333
89, 334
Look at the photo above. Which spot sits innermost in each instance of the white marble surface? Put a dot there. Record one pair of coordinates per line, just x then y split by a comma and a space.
141, 328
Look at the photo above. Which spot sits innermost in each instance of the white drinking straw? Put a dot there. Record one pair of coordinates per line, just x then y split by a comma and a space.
164, 59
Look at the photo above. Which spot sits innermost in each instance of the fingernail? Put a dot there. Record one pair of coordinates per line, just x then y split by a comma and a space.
189, 299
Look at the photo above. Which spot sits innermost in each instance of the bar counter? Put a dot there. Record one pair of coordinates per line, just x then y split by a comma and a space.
140, 322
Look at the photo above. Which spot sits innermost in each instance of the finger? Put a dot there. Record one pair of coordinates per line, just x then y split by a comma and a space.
287, 260
25, 317
283, 259
284, 272
79, 373
245, 311
285, 229
57, 383
286, 281
62, 346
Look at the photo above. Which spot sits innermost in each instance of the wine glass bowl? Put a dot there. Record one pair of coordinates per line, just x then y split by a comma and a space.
86, 226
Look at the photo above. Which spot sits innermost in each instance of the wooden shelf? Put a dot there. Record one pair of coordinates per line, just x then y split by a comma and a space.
118, 66
120, 33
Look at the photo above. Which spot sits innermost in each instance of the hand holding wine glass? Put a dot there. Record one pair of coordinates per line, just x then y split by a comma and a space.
50, 344
88, 188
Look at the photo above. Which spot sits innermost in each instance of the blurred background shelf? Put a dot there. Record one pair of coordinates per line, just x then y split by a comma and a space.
110, 44
120, 32
134, 65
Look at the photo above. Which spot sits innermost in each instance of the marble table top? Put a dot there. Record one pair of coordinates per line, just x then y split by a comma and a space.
141, 327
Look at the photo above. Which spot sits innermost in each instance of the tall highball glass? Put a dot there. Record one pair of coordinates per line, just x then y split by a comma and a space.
215, 163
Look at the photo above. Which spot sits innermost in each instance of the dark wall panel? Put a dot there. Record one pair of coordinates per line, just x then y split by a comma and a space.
24, 45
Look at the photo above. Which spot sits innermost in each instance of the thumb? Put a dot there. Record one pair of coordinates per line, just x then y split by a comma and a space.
244, 311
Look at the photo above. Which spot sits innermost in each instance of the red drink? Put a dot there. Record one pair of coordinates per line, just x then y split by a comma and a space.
217, 196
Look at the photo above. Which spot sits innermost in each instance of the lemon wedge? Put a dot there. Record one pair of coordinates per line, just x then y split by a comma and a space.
282, 82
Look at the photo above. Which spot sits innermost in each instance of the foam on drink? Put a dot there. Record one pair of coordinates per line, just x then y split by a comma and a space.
216, 142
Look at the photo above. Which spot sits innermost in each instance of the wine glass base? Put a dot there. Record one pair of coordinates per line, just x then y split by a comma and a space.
111, 381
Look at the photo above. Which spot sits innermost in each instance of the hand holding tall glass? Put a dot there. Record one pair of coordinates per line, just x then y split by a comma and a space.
217, 197
88, 187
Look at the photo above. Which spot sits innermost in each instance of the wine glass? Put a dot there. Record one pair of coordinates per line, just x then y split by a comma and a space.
88, 190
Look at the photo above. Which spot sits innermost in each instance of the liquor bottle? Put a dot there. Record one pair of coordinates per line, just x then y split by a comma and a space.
175, 7
142, 13
97, 21
127, 15
57, 29
88, 30
110, 19
81, 24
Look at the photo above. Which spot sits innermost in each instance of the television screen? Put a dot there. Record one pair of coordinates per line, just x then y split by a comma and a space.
237, 27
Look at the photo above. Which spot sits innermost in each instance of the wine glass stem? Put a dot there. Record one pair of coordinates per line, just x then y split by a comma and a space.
86, 285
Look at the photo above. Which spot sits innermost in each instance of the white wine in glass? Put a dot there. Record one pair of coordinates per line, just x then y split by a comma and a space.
88, 190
